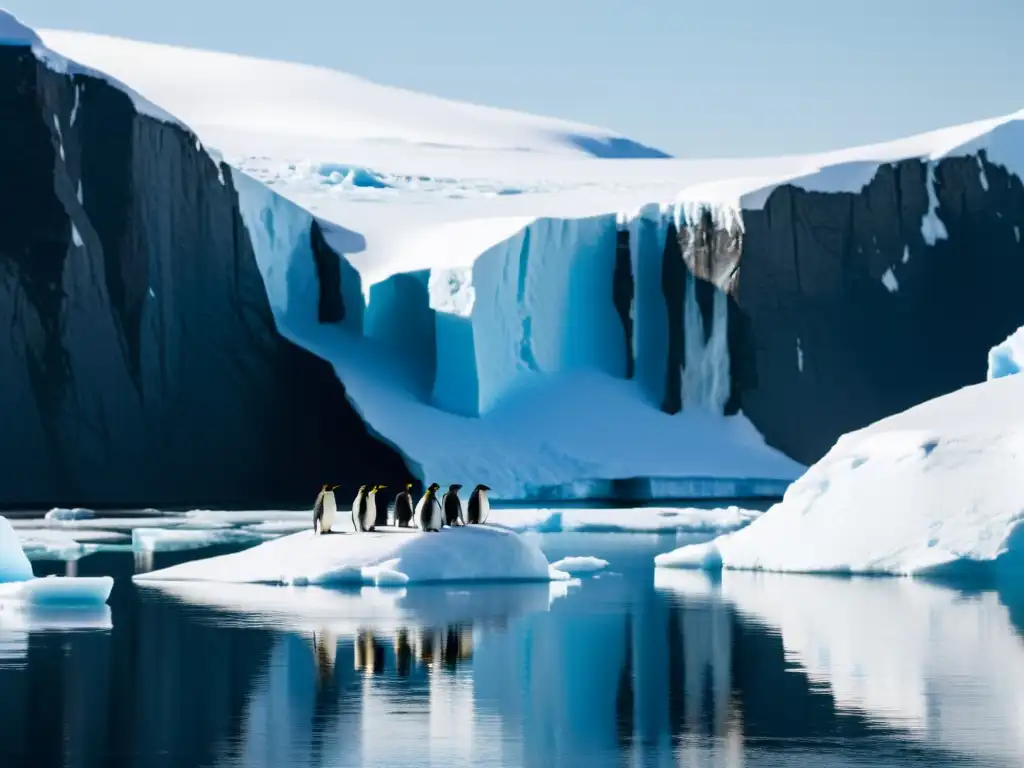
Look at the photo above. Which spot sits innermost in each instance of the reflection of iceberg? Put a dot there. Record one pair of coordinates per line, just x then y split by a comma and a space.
17, 620
944, 666
346, 612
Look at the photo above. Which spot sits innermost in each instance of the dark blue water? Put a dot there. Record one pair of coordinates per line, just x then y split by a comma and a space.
627, 669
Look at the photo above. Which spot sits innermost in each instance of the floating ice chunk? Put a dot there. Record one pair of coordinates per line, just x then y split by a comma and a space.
14, 565
799, 356
934, 490
889, 281
471, 553
77, 513
177, 539
639, 520
580, 564
1016, 233
63, 544
1007, 358
54, 590
906, 254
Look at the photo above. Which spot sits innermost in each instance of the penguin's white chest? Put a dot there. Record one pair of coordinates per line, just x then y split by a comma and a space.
485, 507
330, 510
428, 513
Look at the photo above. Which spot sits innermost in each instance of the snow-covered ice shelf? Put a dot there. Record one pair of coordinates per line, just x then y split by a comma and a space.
390, 556
937, 489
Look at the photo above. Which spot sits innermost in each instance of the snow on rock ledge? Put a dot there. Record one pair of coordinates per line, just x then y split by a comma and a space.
388, 557
1007, 358
935, 490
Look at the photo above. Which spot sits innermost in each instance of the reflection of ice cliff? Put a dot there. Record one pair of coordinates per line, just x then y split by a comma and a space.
946, 667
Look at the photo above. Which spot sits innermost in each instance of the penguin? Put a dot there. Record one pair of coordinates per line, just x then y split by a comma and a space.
428, 510
452, 505
403, 507
479, 507
324, 509
380, 509
364, 512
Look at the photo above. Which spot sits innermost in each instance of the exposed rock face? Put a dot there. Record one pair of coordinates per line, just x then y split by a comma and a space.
140, 362
840, 312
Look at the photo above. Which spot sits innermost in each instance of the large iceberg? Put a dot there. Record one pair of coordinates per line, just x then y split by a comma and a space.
389, 556
936, 490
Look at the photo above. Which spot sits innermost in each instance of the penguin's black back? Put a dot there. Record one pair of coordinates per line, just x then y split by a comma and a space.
318, 509
473, 511
403, 509
381, 511
452, 506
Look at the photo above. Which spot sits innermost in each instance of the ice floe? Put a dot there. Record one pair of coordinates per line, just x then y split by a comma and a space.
391, 556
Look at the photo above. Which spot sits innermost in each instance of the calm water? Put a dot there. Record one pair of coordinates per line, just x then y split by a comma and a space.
628, 669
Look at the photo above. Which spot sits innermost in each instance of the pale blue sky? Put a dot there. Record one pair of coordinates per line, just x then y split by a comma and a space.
744, 77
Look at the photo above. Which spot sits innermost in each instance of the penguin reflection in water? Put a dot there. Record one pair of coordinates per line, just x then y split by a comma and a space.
324, 509
364, 508
452, 506
428, 510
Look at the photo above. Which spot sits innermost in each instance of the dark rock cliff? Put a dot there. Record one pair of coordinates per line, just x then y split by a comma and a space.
140, 364
840, 312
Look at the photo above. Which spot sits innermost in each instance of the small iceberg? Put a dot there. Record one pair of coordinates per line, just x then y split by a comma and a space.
59, 591
937, 490
18, 583
577, 565
647, 520
388, 556
78, 513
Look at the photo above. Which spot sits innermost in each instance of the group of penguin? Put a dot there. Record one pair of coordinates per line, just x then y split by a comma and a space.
430, 513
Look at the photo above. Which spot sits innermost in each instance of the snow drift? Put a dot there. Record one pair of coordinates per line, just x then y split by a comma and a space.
936, 490
388, 557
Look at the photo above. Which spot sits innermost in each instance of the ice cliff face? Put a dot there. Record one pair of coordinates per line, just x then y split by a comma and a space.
141, 363
814, 313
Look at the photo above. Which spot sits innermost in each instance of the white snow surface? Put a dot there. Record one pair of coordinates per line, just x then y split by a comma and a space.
434, 205
177, 539
935, 490
387, 557
1007, 358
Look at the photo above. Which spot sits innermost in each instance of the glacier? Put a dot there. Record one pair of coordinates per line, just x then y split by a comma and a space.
520, 301
934, 491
